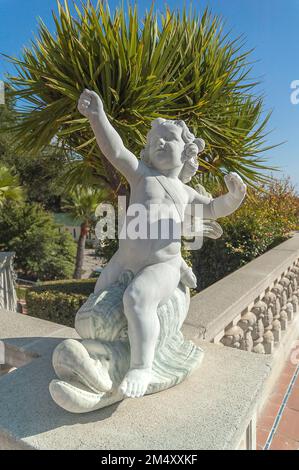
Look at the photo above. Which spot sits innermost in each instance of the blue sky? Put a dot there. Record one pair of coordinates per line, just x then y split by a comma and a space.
270, 26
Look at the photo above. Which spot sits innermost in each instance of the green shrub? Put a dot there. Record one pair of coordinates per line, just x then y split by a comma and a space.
57, 307
71, 286
42, 252
58, 301
262, 222
21, 292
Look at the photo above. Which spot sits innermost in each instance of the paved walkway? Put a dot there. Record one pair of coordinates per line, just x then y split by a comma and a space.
90, 262
278, 425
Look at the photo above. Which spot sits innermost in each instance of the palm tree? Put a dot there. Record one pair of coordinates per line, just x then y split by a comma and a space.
10, 188
183, 66
81, 204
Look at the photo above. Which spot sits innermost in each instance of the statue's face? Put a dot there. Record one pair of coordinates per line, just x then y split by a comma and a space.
166, 147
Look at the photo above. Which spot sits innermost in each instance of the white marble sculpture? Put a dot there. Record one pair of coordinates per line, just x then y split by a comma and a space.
130, 325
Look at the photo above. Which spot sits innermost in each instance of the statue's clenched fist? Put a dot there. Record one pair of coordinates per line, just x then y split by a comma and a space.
90, 104
237, 188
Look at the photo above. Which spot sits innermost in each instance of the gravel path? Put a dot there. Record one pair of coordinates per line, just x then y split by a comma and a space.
90, 262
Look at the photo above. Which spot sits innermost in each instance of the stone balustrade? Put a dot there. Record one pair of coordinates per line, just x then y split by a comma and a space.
260, 327
8, 298
253, 307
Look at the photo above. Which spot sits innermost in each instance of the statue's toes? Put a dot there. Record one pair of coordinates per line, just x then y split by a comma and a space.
71, 361
73, 397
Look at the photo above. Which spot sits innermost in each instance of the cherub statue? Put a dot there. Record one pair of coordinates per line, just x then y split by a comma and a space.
169, 160
130, 326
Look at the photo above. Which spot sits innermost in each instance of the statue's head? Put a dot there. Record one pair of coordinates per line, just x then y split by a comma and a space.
170, 144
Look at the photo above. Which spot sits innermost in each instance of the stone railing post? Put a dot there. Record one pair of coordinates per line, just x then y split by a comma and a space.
8, 297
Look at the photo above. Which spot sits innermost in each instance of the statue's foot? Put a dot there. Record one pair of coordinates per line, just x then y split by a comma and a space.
135, 383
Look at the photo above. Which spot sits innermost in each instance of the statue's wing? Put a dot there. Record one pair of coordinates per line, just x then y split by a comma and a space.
207, 228
211, 228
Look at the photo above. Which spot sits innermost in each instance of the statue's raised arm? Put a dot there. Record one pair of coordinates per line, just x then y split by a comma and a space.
109, 141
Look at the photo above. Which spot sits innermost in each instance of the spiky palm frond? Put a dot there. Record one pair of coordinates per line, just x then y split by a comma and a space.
82, 202
182, 67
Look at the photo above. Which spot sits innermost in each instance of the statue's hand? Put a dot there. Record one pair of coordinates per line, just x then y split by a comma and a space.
235, 185
90, 104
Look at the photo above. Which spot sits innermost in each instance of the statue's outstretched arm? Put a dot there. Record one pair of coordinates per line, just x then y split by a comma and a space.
109, 141
222, 205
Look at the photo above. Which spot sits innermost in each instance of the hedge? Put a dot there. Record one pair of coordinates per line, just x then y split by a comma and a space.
69, 286
58, 301
58, 307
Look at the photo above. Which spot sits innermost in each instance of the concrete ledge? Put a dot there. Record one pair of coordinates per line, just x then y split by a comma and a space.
210, 410
213, 309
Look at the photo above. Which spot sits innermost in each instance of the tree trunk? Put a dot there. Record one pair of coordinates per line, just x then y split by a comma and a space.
80, 250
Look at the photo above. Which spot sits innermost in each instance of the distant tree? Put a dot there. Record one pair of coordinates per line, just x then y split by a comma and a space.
8, 117
39, 173
42, 251
81, 204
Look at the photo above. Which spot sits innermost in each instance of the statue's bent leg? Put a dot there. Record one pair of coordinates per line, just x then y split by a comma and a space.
110, 273
84, 321
151, 287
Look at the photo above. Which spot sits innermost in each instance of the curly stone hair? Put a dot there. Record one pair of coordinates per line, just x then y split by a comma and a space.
193, 147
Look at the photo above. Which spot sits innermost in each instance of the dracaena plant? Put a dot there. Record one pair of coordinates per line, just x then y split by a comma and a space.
176, 66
